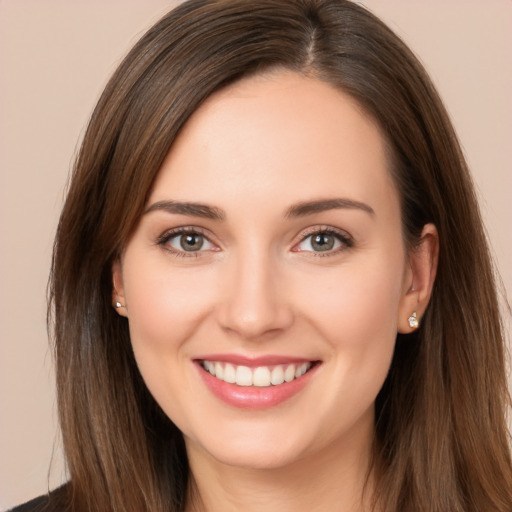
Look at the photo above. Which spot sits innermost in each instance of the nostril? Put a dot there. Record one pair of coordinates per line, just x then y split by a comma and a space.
253, 305
254, 321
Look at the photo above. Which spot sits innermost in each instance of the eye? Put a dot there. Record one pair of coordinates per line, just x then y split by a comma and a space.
185, 241
323, 241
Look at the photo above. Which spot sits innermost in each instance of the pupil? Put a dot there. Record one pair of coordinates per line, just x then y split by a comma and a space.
323, 242
191, 242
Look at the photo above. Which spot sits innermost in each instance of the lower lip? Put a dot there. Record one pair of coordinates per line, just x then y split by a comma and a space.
254, 397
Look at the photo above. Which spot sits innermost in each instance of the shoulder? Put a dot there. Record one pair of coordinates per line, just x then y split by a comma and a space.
54, 501
34, 505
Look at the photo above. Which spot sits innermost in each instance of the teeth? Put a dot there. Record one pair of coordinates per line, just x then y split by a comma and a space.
210, 367
229, 374
243, 376
289, 373
262, 376
301, 370
219, 371
277, 376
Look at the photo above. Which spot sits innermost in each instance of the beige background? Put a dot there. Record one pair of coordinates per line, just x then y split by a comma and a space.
55, 56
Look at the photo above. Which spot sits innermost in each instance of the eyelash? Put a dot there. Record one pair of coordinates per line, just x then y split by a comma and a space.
344, 238
164, 239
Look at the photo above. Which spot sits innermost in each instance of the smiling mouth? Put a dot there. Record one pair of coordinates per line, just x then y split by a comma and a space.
260, 376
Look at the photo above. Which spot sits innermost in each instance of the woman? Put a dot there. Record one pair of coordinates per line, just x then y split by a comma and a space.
271, 287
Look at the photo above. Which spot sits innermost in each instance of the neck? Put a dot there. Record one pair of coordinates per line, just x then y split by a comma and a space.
339, 478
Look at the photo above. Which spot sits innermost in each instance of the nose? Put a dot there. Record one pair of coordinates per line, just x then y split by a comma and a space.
255, 303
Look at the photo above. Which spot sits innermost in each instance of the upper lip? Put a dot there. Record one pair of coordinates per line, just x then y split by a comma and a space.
253, 362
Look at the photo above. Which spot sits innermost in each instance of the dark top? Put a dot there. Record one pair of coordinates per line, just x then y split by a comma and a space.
33, 505
54, 501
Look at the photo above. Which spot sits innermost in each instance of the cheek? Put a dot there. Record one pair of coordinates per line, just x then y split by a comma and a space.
165, 306
356, 298
356, 312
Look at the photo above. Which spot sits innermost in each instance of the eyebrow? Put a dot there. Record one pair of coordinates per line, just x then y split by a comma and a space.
193, 209
298, 210
311, 207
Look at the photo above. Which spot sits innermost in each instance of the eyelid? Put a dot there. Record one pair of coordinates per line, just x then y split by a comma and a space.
343, 237
167, 235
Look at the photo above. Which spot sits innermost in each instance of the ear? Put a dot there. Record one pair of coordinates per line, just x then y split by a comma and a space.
118, 298
419, 278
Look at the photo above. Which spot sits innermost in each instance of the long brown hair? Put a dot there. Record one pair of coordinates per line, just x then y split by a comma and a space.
441, 439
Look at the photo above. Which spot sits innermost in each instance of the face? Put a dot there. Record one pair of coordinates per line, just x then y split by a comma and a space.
267, 279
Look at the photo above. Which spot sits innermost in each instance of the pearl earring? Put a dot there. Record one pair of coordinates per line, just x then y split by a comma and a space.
413, 321
118, 305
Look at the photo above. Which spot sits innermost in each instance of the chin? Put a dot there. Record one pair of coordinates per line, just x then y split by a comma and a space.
260, 449
265, 458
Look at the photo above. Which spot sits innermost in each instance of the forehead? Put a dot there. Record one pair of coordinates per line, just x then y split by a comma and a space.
277, 137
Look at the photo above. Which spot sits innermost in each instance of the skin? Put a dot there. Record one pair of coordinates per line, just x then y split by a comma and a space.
257, 287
